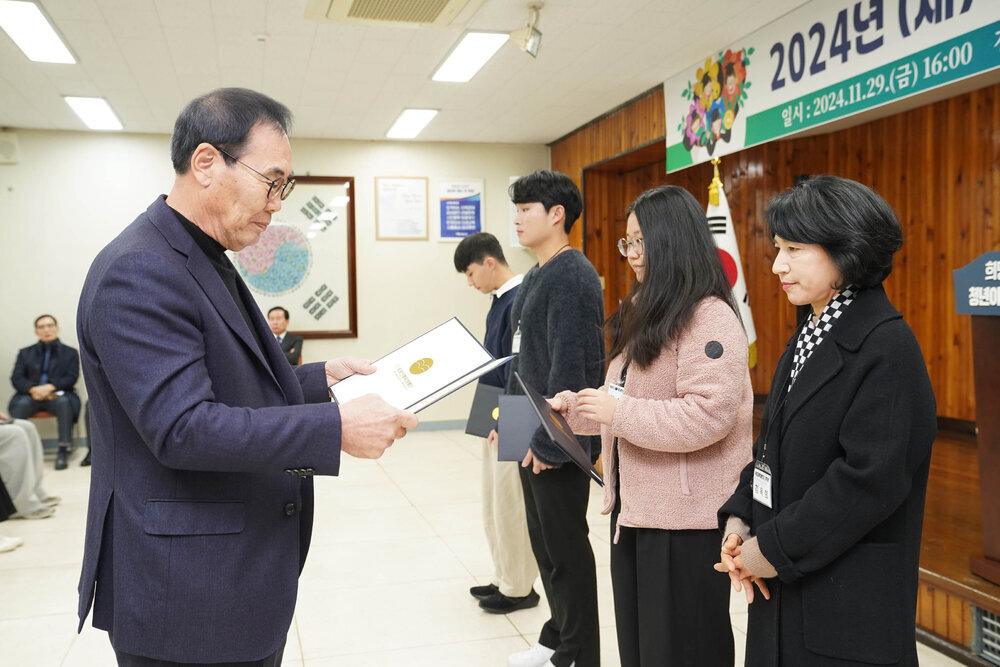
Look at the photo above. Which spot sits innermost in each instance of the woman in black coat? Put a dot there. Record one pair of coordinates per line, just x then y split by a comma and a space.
826, 520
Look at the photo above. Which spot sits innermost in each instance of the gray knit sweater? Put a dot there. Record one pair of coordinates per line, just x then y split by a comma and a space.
560, 312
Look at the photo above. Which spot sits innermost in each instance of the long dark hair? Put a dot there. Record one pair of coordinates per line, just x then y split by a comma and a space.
682, 268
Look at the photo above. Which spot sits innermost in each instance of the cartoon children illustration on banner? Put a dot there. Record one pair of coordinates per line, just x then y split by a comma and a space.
715, 95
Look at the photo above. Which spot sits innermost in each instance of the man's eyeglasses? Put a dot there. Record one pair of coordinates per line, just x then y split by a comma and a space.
275, 186
624, 247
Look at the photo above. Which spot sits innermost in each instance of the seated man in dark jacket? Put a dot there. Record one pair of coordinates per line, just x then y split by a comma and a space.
44, 376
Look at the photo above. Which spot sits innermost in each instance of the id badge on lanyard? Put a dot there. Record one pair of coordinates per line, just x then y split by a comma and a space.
616, 389
515, 343
762, 483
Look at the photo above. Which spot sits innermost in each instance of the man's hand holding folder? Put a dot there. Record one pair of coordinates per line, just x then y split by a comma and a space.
369, 425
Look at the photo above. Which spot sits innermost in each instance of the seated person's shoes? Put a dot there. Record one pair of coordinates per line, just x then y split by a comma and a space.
483, 592
40, 513
86, 460
498, 603
61, 459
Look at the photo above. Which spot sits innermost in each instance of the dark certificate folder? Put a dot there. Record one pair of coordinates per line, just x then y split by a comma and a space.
483, 415
559, 431
518, 423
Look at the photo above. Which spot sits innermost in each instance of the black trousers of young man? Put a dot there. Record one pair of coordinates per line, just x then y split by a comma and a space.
671, 606
555, 501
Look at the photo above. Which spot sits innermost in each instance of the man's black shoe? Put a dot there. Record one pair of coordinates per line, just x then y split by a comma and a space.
61, 459
498, 603
483, 592
86, 460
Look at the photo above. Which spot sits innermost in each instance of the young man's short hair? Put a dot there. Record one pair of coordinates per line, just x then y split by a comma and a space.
475, 248
549, 188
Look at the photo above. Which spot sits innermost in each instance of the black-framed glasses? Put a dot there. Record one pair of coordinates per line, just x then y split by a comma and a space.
274, 186
624, 247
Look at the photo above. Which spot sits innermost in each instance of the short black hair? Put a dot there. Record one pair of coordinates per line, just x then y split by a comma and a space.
849, 220
287, 317
474, 248
223, 118
42, 317
549, 188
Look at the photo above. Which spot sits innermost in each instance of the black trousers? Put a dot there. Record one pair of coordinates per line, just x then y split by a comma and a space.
130, 660
23, 406
555, 501
671, 607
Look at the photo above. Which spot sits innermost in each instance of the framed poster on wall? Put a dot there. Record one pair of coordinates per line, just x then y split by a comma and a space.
305, 260
400, 208
461, 206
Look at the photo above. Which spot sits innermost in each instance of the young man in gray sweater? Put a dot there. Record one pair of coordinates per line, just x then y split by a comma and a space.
558, 318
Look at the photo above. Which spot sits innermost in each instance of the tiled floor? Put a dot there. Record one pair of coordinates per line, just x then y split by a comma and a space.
396, 546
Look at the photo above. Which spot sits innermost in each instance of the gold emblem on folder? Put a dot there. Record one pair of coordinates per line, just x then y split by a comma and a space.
421, 365
496, 413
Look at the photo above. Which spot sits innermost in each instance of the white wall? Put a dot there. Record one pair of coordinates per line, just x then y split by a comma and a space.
71, 193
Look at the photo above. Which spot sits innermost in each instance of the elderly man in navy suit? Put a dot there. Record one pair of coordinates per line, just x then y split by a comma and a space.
205, 439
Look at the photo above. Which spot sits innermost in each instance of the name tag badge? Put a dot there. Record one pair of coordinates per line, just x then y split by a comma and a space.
762, 483
515, 346
615, 390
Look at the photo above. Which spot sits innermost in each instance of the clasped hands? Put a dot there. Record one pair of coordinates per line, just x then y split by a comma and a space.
368, 425
42, 392
731, 562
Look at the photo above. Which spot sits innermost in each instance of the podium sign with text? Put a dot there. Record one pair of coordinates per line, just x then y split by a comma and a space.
977, 292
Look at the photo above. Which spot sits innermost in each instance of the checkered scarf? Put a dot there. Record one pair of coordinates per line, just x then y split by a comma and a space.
812, 333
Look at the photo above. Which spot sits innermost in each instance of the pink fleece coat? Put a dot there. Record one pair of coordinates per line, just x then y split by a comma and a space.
683, 426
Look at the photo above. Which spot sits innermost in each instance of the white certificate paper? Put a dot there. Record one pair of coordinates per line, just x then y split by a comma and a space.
424, 370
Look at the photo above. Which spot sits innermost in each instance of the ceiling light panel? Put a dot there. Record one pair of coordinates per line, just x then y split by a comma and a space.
95, 112
410, 123
32, 32
468, 57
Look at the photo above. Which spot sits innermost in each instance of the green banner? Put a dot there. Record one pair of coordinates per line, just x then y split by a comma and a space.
972, 53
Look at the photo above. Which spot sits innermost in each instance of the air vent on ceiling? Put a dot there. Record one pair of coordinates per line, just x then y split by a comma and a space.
8, 148
436, 13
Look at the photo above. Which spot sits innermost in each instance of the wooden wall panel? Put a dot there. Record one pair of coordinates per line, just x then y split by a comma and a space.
937, 165
945, 614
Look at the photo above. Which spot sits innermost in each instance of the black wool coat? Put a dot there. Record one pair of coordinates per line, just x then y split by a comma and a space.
849, 451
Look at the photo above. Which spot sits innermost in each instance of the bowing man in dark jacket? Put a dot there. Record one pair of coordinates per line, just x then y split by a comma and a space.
826, 520
205, 439
45, 376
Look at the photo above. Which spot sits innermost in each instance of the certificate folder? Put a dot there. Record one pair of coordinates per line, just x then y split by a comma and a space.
559, 431
423, 371
518, 423
484, 411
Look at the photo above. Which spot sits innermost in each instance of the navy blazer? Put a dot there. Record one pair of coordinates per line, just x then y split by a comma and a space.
200, 502
849, 451
64, 370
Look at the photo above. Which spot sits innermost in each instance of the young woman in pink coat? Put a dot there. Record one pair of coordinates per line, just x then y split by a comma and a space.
675, 418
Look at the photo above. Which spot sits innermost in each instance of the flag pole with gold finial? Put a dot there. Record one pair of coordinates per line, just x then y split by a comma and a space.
720, 222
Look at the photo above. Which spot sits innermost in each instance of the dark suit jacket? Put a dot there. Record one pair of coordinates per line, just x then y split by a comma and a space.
849, 451
198, 524
64, 370
291, 345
